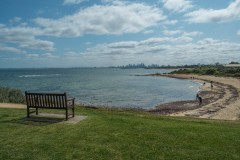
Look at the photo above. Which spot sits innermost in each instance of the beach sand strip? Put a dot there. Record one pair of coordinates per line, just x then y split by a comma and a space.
220, 102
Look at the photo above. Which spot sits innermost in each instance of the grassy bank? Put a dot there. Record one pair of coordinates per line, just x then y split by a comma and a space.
112, 134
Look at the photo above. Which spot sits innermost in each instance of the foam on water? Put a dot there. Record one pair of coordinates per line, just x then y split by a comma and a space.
41, 75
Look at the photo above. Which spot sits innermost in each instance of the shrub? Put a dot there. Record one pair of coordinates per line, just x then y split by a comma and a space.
8, 95
210, 71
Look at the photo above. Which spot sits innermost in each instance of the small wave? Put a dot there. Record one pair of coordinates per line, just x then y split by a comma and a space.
190, 86
38, 75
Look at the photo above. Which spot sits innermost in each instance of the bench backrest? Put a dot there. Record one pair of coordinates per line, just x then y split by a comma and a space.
46, 100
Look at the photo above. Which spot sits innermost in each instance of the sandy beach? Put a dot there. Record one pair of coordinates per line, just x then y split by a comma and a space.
220, 102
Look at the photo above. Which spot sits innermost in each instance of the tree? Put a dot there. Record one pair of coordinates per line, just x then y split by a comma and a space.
233, 62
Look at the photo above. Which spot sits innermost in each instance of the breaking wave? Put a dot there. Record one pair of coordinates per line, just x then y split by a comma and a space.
38, 75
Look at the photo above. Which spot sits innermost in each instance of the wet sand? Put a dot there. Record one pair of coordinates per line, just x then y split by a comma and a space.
221, 102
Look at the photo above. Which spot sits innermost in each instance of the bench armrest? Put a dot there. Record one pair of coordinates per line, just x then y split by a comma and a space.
71, 101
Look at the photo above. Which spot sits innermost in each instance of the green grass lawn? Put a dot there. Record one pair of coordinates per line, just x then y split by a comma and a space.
116, 134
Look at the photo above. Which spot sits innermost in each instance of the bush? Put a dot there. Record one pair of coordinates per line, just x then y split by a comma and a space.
8, 95
210, 71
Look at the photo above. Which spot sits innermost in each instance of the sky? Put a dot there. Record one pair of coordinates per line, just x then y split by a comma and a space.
101, 33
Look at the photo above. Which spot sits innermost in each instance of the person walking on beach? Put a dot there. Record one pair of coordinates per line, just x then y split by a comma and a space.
211, 84
199, 99
197, 96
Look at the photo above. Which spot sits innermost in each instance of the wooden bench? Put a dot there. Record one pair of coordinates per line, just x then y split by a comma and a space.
49, 101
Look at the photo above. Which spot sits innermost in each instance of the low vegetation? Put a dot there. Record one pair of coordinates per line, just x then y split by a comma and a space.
8, 95
117, 134
217, 70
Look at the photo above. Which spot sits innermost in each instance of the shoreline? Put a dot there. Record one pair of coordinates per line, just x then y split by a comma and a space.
221, 102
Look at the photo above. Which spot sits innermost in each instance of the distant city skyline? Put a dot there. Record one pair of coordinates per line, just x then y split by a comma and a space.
87, 33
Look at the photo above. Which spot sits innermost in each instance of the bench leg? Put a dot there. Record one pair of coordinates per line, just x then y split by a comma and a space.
36, 111
66, 114
73, 112
28, 114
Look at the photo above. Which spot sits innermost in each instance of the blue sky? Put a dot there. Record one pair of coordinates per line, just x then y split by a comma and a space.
88, 33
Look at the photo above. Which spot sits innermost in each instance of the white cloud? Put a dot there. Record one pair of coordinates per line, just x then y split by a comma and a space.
40, 11
128, 44
208, 41
148, 31
49, 55
192, 34
71, 54
133, 49
18, 34
232, 12
8, 49
238, 32
170, 22
177, 5
15, 20
37, 44
171, 33
162, 50
181, 32
25, 37
32, 55
164, 40
46, 56
69, 2
88, 43
99, 20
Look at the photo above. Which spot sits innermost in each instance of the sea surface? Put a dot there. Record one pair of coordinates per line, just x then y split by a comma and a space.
108, 87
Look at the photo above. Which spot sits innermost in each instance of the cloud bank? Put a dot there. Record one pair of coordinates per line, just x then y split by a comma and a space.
25, 38
113, 19
178, 50
177, 5
70, 2
232, 12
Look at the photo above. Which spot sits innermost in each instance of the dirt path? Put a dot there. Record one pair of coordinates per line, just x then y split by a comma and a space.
12, 105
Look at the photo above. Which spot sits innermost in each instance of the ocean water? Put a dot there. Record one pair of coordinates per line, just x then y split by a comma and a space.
110, 87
